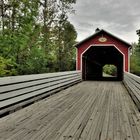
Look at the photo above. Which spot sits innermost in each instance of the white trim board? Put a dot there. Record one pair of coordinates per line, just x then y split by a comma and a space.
93, 45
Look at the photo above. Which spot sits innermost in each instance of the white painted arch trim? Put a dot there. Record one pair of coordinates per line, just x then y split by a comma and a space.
129, 52
76, 58
111, 45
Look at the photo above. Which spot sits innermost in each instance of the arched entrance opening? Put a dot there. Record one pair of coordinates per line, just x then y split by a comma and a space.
109, 70
96, 57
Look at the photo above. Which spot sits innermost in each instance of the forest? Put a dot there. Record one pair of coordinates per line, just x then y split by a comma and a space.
135, 57
36, 36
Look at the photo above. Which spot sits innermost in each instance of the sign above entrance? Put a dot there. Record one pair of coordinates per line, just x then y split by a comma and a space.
102, 39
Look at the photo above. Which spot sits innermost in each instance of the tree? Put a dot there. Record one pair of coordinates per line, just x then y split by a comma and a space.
7, 67
65, 50
69, 37
110, 69
135, 57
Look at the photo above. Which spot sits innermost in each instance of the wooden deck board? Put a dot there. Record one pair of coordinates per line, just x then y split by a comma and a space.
87, 111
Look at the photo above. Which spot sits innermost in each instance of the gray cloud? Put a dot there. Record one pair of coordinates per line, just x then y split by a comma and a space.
120, 17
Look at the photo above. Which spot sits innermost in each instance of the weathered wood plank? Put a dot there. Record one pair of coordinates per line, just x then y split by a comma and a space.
19, 91
132, 83
87, 111
24, 78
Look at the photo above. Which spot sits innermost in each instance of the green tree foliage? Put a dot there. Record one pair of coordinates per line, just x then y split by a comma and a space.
135, 57
36, 36
65, 51
110, 69
7, 67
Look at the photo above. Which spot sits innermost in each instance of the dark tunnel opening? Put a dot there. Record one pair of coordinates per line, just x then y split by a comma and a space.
96, 57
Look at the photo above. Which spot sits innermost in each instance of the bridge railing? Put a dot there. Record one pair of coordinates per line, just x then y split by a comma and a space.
20, 91
132, 83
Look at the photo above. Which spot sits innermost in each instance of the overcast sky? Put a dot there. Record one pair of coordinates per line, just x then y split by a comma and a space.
119, 17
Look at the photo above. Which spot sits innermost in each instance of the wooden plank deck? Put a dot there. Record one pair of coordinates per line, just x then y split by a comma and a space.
87, 111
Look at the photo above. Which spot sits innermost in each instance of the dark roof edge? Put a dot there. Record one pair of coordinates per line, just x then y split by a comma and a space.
76, 45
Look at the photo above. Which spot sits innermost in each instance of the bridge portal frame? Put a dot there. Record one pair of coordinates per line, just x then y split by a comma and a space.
98, 45
103, 38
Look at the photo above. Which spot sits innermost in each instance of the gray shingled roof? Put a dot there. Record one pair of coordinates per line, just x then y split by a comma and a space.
98, 32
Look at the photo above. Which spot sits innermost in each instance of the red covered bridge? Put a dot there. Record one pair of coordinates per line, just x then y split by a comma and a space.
100, 49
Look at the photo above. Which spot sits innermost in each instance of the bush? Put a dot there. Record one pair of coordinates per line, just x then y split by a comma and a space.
7, 67
110, 69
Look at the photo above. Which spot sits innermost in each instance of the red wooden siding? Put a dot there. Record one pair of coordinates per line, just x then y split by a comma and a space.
124, 48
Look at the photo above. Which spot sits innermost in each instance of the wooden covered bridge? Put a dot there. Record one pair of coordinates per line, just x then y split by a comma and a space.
100, 49
76, 105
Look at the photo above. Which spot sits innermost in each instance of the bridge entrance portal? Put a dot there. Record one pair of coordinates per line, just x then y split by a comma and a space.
96, 57
99, 50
